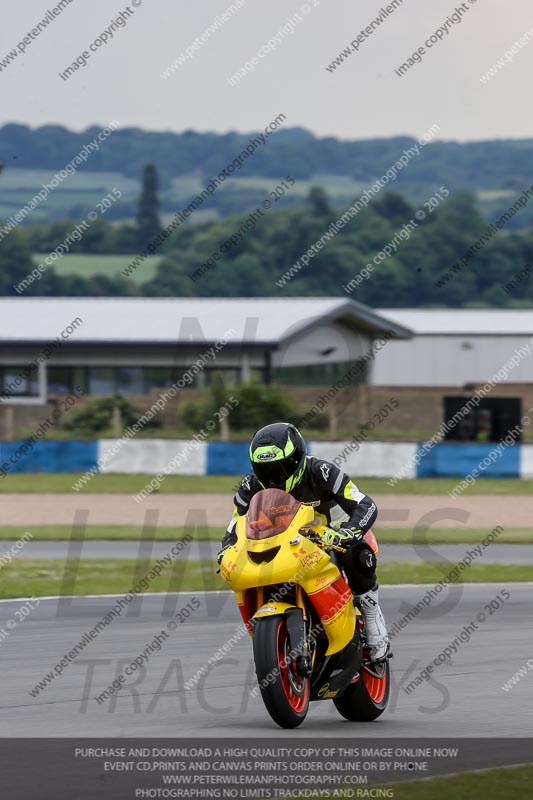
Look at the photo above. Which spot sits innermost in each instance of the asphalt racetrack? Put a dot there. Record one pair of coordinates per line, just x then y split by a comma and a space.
463, 698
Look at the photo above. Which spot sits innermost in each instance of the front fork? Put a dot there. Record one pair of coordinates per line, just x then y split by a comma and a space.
298, 620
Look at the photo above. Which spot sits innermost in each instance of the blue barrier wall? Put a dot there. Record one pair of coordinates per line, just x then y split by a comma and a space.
459, 460
228, 458
231, 458
48, 456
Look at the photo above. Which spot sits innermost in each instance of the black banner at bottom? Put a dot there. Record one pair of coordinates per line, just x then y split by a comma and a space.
128, 769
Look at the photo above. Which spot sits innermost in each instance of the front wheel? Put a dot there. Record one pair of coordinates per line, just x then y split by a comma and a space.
284, 690
367, 698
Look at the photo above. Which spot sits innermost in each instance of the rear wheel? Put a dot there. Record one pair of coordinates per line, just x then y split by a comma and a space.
284, 691
367, 698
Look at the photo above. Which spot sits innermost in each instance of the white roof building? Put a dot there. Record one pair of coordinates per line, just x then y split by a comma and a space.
456, 347
134, 345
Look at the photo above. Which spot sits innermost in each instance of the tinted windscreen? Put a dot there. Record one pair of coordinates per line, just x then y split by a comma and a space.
271, 512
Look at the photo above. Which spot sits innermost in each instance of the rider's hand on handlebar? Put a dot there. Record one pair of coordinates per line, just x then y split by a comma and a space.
341, 537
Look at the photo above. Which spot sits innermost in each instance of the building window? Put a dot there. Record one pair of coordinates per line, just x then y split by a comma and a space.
19, 381
60, 380
124, 380
129, 380
354, 372
101, 380
158, 378
209, 376
64, 380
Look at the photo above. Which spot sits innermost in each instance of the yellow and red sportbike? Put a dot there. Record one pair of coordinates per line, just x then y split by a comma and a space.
308, 634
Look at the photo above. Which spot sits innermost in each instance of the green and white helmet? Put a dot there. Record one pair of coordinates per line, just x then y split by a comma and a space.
277, 453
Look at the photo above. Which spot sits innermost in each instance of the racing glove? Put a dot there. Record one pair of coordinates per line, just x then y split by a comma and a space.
342, 537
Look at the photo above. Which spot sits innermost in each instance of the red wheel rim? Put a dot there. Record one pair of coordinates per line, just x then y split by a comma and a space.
376, 687
289, 675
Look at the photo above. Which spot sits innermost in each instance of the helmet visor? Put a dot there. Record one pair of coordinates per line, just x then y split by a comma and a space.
275, 474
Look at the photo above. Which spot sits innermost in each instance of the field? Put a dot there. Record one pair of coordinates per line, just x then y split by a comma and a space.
85, 265
19, 186
215, 484
84, 189
167, 533
87, 188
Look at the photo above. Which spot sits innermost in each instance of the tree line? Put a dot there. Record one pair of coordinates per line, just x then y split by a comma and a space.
407, 275
488, 164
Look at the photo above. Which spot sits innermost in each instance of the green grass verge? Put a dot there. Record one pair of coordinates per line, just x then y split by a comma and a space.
24, 578
444, 485
41, 577
451, 536
113, 484
513, 783
109, 533
208, 484
214, 534
433, 572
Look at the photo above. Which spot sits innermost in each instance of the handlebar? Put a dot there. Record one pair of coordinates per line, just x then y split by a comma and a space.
316, 538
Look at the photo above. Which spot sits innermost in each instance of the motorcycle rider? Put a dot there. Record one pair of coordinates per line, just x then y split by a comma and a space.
279, 460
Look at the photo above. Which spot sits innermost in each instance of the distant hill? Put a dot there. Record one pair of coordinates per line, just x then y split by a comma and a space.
488, 164
493, 170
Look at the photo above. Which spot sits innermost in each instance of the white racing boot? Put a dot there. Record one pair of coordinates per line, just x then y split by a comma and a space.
375, 628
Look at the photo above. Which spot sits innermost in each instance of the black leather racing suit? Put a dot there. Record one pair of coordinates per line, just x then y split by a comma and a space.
334, 497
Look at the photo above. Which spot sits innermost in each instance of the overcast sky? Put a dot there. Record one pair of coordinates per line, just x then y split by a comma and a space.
362, 98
